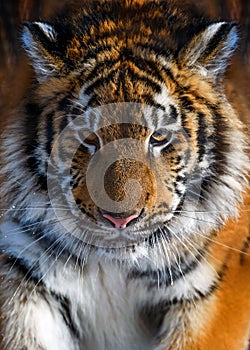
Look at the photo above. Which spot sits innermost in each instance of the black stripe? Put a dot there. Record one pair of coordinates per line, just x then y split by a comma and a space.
119, 86
155, 48
50, 132
152, 316
33, 112
170, 148
124, 89
161, 278
65, 310
214, 286
173, 112
98, 70
134, 76
166, 305
95, 51
148, 100
217, 38
244, 249
184, 124
169, 74
202, 139
147, 66
63, 123
109, 34
177, 191
222, 146
155, 237
99, 83
137, 77
187, 104
157, 106
64, 103
22, 267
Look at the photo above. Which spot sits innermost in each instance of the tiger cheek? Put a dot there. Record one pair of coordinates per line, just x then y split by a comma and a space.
165, 188
79, 189
83, 199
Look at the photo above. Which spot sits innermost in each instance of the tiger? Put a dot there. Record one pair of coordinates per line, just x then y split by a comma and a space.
124, 190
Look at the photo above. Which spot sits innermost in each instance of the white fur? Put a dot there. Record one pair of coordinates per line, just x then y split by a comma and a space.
104, 303
42, 65
218, 63
197, 50
48, 30
47, 326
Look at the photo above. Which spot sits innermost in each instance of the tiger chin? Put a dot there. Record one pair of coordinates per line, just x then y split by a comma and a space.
122, 172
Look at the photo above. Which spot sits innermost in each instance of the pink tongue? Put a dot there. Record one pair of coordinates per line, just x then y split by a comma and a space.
120, 223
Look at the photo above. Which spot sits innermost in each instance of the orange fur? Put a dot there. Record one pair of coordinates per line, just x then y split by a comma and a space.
227, 327
220, 321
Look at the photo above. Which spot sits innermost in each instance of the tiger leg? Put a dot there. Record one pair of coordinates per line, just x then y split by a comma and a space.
221, 320
32, 319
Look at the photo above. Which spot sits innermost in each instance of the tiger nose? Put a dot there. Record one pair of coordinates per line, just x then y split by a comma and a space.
120, 222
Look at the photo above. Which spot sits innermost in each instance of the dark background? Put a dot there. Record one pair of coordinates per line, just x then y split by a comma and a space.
15, 72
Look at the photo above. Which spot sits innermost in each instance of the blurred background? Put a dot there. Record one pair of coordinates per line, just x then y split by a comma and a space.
15, 72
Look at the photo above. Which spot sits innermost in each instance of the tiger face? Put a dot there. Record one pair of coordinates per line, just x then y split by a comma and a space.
129, 136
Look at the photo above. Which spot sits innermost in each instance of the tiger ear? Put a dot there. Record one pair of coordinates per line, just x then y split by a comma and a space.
211, 49
39, 40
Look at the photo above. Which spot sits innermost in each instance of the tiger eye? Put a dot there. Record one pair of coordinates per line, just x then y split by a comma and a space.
160, 137
92, 140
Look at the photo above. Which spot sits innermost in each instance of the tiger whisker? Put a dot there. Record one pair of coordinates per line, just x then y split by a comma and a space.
26, 228
202, 211
35, 262
33, 208
191, 244
223, 245
50, 267
23, 250
197, 219
30, 269
167, 254
201, 255
200, 196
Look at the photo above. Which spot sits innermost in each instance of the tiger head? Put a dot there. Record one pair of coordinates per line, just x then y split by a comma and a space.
128, 128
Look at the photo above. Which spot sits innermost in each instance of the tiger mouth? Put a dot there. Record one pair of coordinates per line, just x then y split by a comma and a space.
120, 241
110, 238
122, 220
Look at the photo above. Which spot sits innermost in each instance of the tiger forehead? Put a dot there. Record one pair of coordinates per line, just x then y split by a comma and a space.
122, 26
123, 130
